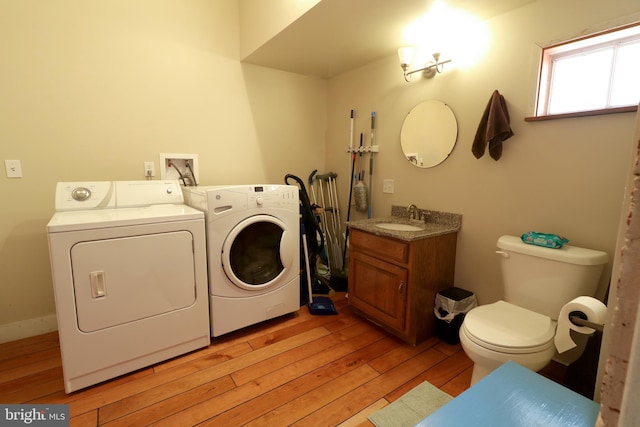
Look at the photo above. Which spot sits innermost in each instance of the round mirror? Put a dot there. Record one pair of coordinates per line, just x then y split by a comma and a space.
428, 134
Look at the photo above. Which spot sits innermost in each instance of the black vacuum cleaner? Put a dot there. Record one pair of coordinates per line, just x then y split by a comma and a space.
312, 245
317, 305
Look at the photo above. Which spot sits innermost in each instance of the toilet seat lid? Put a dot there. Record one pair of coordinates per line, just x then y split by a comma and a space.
502, 325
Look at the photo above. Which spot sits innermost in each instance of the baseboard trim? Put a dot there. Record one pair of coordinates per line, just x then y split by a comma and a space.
28, 328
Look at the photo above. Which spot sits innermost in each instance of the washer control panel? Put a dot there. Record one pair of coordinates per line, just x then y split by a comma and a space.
260, 196
223, 200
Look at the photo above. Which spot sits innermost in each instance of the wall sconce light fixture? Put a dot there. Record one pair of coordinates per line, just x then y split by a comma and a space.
429, 70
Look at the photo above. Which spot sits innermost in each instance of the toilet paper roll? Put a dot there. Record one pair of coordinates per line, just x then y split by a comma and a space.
594, 311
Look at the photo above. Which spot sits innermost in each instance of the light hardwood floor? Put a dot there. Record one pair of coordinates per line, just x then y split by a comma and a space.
296, 370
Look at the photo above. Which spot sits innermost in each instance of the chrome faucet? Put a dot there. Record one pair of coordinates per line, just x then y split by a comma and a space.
412, 210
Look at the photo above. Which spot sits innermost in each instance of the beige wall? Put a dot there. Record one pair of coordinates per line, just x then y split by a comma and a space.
562, 176
91, 90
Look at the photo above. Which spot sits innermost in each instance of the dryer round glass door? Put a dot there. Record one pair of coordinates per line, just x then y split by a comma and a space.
258, 252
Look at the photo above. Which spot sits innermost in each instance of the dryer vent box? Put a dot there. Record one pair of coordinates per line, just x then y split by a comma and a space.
182, 167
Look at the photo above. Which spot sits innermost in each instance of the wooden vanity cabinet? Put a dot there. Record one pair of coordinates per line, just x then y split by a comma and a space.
393, 282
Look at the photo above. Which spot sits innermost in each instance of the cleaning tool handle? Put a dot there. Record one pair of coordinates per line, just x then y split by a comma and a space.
373, 125
346, 232
373, 137
351, 133
306, 261
315, 171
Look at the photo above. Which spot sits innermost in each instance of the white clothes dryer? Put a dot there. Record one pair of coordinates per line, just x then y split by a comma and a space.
128, 260
253, 242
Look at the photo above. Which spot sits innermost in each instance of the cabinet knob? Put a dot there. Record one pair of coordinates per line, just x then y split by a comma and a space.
400, 287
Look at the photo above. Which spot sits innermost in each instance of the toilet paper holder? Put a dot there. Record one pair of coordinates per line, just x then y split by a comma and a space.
576, 319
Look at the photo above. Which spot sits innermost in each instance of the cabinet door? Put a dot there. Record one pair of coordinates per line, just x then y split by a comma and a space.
378, 289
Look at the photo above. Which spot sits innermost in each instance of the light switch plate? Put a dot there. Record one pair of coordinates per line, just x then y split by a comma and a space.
387, 186
13, 168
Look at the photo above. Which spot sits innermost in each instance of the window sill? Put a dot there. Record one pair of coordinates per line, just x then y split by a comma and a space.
629, 109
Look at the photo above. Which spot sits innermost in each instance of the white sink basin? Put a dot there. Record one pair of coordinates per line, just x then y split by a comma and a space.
398, 227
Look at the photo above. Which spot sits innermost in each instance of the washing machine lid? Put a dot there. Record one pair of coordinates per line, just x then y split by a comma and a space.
107, 218
504, 326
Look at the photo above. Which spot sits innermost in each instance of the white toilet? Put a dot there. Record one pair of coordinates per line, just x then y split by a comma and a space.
538, 281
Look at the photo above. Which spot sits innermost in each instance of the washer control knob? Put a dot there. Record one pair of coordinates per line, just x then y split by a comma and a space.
81, 194
259, 201
169, 190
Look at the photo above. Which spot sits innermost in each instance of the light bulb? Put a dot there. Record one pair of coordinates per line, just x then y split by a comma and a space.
405, 54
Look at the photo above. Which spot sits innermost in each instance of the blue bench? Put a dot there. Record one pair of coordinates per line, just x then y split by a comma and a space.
514, 396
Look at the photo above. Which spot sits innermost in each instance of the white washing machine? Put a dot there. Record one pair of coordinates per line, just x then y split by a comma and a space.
128, 260
253, 241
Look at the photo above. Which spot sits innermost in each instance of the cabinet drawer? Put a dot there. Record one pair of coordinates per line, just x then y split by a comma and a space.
384, 247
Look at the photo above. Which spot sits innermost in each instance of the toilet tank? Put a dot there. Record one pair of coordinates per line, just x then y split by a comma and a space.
544, 279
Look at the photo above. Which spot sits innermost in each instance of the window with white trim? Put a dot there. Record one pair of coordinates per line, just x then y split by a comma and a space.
597, 74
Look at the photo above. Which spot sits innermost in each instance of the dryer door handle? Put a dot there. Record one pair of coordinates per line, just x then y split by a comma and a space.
98, 285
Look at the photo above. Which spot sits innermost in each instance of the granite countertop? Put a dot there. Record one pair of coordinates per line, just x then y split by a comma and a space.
437, 223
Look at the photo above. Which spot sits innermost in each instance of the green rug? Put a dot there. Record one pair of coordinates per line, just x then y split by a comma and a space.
411, 408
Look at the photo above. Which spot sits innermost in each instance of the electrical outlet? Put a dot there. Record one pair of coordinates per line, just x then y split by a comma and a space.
387, 186
149, 169
13, 168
